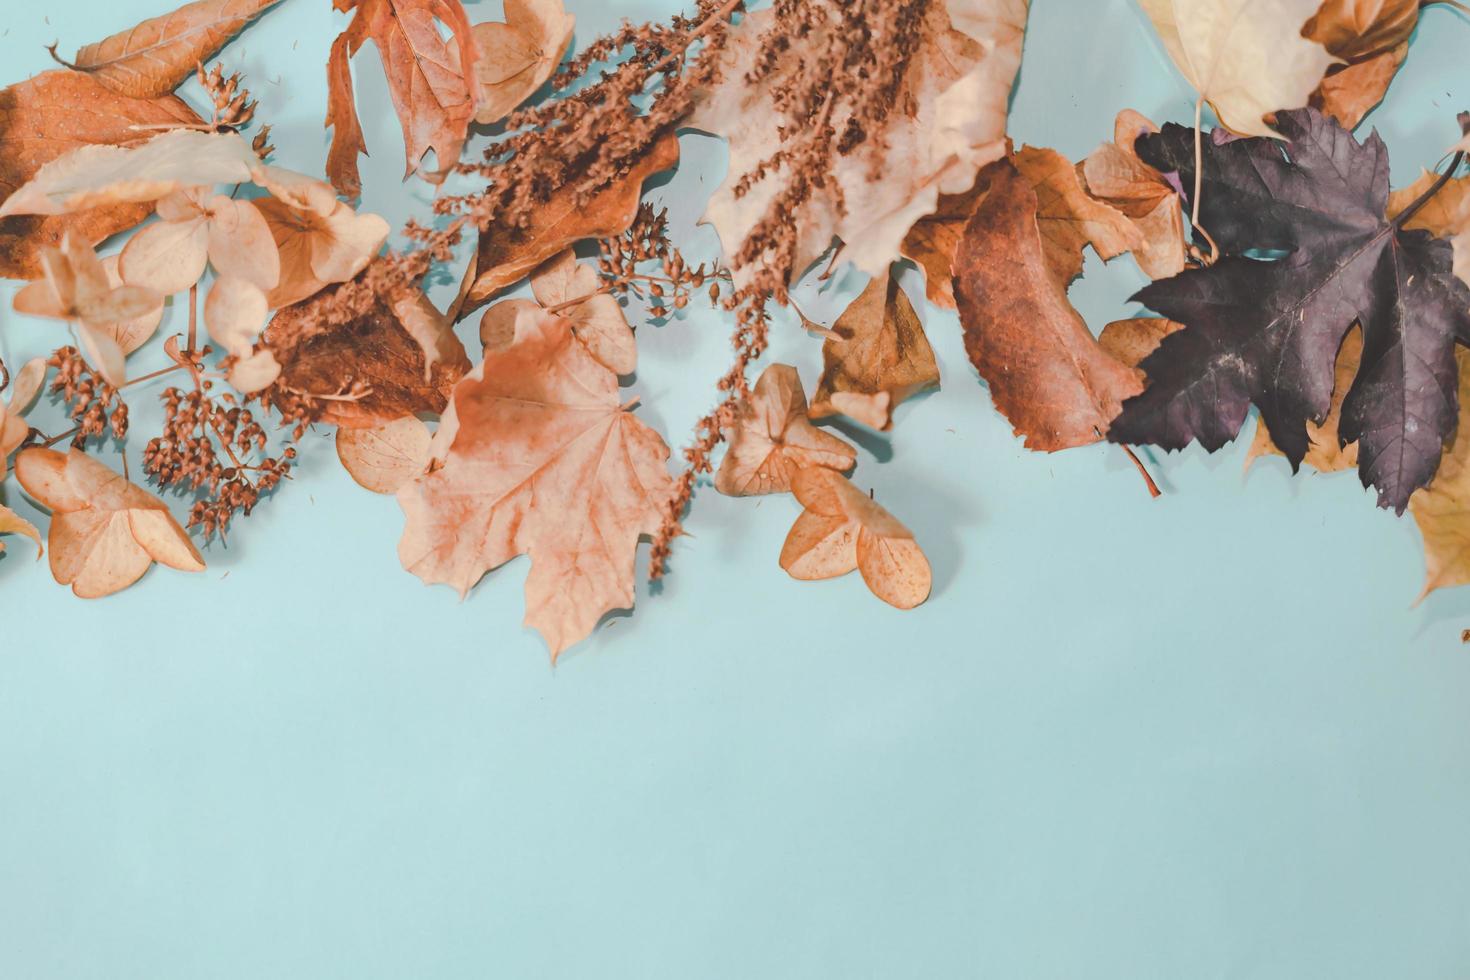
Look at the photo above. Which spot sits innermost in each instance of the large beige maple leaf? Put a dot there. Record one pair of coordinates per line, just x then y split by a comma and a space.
947, 123
536, 456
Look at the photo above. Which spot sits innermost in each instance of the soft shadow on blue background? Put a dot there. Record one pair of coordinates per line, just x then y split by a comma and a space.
1202, 736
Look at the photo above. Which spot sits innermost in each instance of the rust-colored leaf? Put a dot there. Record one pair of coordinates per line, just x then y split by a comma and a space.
875, 356
773, 439
507, 254
1372, 39
47, 117
154, 57
13, 523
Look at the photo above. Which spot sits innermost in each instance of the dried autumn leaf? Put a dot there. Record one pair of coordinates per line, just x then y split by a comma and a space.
1130, 341
1442, 510
1068, 218
1371, 38
597, 320
376, 351
1445, 215
387, 456
540, 459
13, 523
47, 117
875, 356
932, 241
842, 529
1244, 57
1046, 372
1116, 176
105, 531
132, 333
948, 121
1326, 453
518, 56
431, 80
773, 438
319, 245
507, 254
154, 57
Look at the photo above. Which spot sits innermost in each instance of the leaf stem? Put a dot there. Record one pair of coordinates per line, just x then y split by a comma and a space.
1434, 188
193, 316
150, 376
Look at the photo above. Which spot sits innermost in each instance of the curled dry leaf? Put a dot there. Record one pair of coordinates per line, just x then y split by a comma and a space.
1045, 370
1371, 38
320, 244
773, 438
1442, 510
841, 529
385, 457
47, 117
518, 56
431, 80
875, 356
507, 254
13, 523
1115, 175
1246, 58
382, 352
597, 320
154, 57
105, 531
538, 457
948, 121
198, 227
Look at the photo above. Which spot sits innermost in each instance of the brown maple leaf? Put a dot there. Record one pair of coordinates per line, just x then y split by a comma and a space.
1371, 37
507, 254
380, 356
430, 79
1115, 175
152, 58
537, 457
843, 529
773, 438
875, 356
13, 427
47, 117
518, 56
105, 531
1046, 372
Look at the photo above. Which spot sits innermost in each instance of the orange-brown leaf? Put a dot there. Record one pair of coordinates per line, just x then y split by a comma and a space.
47, 117
154, 57
1372, 39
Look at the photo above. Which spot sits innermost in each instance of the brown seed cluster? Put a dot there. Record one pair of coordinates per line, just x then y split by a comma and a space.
233, 107
187, 456
92, 403
647, 240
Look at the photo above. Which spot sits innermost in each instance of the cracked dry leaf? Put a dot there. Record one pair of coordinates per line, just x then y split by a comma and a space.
13, 523
597, 321
841, 529
1115, 175
385, 457
518, 56
105, 531
1442, 509
152, 58
383, 351
1371, 37
1046, 372
949, 120
538, 457
507, 254
47, 117
1246, 58
1326, 453
875, 356
431, 80
773, 438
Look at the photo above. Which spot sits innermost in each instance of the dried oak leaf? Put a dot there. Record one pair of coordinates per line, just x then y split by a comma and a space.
507, 254
13, 523
1327, 453
1442, 510
773, 438
536, 456
518, 56
383, 351
875, 356
1046, 372
1268, 332
1115, 175
431, 80
1244, 57
154, 57
47, 117
105, 531
948, 121
1371, 38
385, 457
842, 529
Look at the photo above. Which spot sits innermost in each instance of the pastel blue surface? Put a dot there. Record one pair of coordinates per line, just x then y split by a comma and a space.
1201, 736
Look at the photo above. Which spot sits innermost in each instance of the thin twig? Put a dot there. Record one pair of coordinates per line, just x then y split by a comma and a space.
1434, 188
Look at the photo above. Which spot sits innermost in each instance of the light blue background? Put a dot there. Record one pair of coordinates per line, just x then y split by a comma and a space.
1203, 736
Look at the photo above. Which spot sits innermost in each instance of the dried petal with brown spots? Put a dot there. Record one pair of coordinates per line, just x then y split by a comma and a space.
518, 56
385, 457
1045, 370
105, 532
773, 438
875, 356
841, 529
